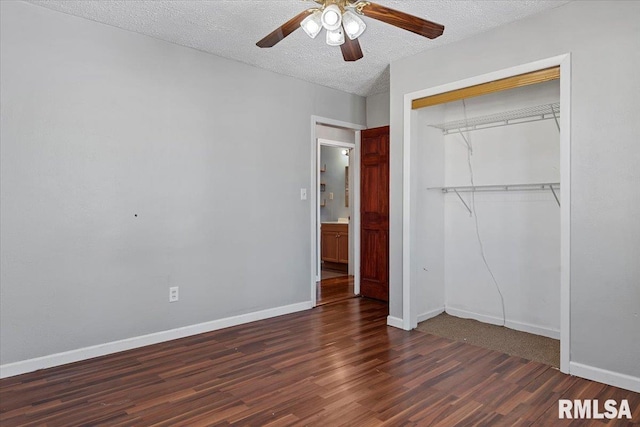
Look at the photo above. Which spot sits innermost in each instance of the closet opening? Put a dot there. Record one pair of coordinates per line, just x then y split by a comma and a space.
485, 195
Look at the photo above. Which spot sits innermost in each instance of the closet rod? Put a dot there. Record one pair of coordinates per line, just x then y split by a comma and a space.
553, 186
500, 187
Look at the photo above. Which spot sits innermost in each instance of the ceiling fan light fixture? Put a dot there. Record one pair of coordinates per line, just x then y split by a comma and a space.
335, 37
353, 25
345, 16
312, 24
331, 17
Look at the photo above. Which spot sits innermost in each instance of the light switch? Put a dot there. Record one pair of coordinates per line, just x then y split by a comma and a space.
330, 196
303, 194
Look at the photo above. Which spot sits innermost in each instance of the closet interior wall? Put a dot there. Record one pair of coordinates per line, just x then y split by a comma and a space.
520, 230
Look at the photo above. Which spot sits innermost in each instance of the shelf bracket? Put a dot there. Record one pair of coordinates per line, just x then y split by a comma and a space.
558, 125
463, 202
555, 195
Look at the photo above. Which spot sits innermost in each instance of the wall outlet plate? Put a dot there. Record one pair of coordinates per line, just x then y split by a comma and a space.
173, 294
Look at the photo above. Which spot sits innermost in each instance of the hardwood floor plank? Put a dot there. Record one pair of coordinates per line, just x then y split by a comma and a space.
334, 289
338, 364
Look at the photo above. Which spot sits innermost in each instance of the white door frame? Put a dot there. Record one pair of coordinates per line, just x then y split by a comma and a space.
354, 189
409, 319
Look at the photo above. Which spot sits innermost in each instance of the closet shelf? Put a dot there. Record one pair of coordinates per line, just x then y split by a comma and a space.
499, 187
522, 115
553, 186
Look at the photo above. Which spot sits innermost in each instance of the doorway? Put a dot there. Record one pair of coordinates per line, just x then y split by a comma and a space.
335, 212
336, 207
336, 238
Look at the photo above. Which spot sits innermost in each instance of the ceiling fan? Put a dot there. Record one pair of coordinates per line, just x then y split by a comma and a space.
340, 17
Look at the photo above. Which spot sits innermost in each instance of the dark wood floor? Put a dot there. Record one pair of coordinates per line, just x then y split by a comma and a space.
334, 289
338, 364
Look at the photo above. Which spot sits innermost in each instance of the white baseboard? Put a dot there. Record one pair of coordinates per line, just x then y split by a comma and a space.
430, 314
518, 326
30, 365
615, 379
396, 322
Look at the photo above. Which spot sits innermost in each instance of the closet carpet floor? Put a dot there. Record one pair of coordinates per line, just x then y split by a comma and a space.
528, 346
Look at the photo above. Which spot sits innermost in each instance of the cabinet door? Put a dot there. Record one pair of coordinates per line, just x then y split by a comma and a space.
343, 247
329, 241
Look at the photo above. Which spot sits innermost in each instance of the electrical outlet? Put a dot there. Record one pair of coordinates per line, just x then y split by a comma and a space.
173, 294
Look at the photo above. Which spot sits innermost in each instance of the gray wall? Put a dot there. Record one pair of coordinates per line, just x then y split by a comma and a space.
99, 125
605, 206
378, 110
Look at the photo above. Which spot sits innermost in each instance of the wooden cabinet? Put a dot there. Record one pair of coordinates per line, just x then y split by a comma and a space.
334, 240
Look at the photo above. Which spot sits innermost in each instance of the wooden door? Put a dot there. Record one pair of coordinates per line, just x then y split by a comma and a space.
374, 213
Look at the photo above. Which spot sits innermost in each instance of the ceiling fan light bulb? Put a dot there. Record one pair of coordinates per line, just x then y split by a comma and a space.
312, 25
331, 17
353, 25
351, 28
335, 38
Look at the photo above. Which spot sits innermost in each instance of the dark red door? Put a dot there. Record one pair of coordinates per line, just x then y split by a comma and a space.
374, 213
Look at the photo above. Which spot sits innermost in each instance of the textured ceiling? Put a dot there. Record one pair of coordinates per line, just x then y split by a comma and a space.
230, 28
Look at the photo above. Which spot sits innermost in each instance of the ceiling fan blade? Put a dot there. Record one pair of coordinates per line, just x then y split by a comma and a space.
351, 49
402, 20
283, 30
